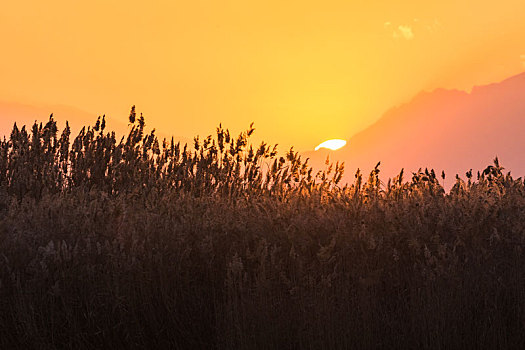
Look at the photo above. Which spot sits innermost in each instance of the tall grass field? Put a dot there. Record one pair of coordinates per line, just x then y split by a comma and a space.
138, 243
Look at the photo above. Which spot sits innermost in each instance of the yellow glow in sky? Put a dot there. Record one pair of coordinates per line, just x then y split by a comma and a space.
301, 70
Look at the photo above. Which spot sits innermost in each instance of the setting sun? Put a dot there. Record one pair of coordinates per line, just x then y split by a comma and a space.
334, 144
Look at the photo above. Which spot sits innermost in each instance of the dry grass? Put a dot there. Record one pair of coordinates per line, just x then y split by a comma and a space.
133, 244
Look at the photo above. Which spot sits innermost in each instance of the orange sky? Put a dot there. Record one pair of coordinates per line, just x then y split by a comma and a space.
303, 71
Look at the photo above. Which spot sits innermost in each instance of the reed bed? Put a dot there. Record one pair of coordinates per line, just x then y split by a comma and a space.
141, 243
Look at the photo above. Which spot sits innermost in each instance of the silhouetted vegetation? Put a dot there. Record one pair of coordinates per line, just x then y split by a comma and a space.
145, 244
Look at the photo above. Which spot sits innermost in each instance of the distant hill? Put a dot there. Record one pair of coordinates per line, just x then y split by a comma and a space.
24, 114
447, 130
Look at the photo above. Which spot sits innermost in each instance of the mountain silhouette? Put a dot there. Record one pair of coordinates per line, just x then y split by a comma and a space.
27, 114
448, 130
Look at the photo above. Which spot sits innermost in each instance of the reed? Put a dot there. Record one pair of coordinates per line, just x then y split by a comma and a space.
141, 243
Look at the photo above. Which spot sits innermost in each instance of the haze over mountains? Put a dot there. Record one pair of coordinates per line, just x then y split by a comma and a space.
447, 130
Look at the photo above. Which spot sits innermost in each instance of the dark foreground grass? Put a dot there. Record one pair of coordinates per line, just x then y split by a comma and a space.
132, 244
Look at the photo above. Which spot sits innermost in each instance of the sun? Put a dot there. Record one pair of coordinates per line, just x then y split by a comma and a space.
332, 144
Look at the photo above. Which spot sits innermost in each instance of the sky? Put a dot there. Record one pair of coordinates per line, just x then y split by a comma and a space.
302, 71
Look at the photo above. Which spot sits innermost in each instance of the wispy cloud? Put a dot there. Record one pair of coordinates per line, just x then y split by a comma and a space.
433, 26
407, 31
399, 31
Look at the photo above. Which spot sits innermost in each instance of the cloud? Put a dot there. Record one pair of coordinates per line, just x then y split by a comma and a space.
406, 32
433, 26
403, 32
